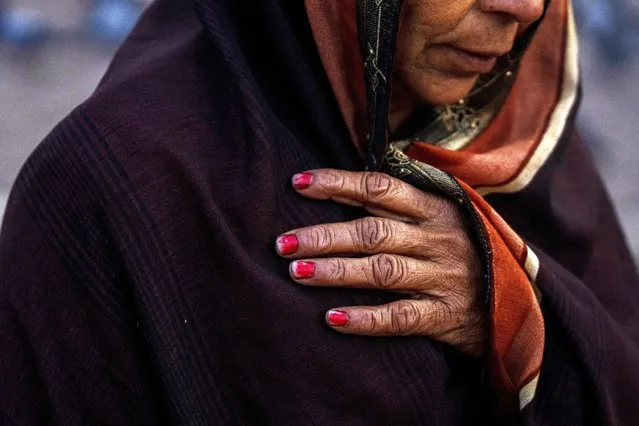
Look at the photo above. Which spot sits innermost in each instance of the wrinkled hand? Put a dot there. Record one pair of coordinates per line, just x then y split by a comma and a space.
415, 244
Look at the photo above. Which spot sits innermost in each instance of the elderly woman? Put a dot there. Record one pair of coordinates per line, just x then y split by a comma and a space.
140, 279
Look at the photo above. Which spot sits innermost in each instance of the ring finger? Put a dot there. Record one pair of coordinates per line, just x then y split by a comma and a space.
367, 235
383, 271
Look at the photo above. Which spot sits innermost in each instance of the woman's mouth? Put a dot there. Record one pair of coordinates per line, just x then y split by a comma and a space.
473, 62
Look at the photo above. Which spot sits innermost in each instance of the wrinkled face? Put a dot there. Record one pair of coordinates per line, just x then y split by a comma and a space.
444, 45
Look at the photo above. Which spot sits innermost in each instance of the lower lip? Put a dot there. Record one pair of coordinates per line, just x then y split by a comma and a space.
472, 63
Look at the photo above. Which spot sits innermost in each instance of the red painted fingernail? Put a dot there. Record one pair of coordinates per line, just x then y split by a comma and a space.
287, 244
303, 270
302, 180
337, 318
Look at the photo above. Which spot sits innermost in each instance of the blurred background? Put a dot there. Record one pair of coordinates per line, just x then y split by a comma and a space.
53, 53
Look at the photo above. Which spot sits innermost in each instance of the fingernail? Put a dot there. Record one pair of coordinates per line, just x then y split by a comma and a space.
302, 180
303, 270
287, 244
337, 318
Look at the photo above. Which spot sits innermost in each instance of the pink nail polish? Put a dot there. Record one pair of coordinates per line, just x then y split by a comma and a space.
302, 180
303, 270
287, 244
337, 318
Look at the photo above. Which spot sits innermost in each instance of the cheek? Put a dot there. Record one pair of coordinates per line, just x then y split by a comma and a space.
424, 21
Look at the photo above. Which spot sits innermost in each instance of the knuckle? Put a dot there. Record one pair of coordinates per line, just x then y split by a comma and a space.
446, 314
373, 322
435, 206
333, 181
456, 273
387, 271
459, 240
453, 244
319, 237
441, 281
373, 233
377, 186
337, 270
405, 318
457, 260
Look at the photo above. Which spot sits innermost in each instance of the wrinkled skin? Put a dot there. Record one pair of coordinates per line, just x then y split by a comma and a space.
413, 243
428, 70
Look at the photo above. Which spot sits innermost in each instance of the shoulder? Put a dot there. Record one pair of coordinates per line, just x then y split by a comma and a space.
60, 164
57, 227
158, 84
167, 114
151, 107
168, 101
63, 187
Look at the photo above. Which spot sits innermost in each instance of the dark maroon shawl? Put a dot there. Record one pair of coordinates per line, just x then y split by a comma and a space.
139, 284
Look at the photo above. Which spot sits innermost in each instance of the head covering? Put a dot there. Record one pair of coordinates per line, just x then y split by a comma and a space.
378, 24
542, 72
335, 29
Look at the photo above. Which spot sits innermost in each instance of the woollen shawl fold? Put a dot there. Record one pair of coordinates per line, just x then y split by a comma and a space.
138, 279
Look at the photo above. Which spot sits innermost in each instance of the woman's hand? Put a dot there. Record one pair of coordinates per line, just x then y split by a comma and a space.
415, 244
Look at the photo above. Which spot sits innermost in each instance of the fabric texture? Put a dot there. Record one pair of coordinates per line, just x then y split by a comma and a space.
517, 344
138, 278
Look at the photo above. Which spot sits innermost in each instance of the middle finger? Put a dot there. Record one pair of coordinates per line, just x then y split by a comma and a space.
368, 235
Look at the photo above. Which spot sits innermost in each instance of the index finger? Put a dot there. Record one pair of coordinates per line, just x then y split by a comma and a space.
366, 189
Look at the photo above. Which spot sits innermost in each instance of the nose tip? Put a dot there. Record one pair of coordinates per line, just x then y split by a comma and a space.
524, 11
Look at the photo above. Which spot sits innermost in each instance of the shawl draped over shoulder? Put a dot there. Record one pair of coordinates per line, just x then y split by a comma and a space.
138, 279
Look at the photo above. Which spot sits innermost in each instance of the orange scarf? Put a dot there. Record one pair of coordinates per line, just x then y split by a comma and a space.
502, 159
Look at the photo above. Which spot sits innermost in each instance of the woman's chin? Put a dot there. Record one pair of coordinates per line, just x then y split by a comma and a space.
446, 91
449, 96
